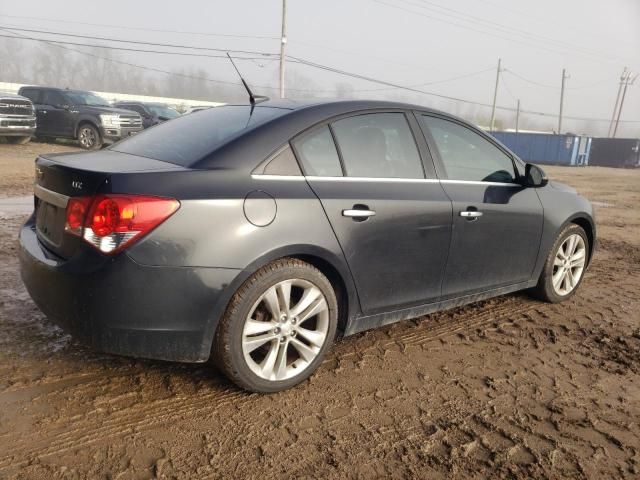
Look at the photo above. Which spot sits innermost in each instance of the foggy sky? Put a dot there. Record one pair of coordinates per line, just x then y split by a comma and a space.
592, 39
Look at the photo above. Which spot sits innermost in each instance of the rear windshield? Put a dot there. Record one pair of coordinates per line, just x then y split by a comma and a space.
190, 138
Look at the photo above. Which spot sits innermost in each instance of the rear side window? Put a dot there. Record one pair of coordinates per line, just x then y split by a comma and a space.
468, 156
378, 145
318, 154
190, 138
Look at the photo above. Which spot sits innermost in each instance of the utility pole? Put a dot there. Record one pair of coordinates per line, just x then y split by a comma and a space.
615, 106
564, 77
628, 81
495, 96
517, 116
283, 42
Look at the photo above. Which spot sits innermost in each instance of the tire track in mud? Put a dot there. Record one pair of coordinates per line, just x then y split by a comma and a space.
146, 415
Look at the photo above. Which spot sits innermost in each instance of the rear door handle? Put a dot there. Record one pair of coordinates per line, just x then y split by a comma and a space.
356, 213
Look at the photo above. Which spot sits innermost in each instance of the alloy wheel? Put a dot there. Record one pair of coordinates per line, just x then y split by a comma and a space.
87, 137
285, 330
568, 264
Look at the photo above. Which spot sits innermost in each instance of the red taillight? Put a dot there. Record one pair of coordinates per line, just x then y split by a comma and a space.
76, 213
111, 222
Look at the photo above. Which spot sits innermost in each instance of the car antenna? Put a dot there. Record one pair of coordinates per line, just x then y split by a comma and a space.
253, 99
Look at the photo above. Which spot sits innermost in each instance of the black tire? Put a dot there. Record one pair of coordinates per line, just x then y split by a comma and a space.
89, 137
545, 290
227, 351
18, 140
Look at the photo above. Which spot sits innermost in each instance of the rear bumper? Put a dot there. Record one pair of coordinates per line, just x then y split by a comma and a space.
116, 305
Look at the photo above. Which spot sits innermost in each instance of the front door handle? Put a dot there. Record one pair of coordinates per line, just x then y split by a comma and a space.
356, 213
471, 214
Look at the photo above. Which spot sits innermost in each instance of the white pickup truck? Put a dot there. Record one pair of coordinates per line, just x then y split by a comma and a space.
17, 118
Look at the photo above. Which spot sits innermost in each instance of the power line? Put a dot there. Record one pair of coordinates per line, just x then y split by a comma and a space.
135, 42
459, 15
298, 60
302, 61
508, 36
127, 49
182, 32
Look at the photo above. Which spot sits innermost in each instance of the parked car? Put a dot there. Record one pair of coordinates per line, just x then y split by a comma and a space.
151, 113
254, 233
17, 118
80, 115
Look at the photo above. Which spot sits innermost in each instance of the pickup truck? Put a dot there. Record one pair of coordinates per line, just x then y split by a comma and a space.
80, 115
17, 118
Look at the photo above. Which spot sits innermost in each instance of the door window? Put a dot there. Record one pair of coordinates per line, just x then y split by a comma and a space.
378, 145
55, 99
466, 155
318, 153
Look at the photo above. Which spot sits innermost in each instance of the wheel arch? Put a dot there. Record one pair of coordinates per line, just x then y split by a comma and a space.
84, 121
589, 228
330, 264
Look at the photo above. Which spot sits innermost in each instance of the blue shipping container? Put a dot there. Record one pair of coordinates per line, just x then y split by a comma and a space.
547, 148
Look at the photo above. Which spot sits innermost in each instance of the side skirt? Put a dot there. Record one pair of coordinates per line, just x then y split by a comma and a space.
360, 324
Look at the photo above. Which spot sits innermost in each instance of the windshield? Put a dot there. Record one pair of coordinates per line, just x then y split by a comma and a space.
86, 98
190, 138
163, 111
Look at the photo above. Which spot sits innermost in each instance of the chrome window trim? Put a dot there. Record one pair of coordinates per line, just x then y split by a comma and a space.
379, 179
372, 179
262, 176
479, 182
51, 197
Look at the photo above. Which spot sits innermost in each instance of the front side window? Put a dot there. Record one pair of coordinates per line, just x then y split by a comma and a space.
78, 97
378, 145
318, 153
53, 98
466, 155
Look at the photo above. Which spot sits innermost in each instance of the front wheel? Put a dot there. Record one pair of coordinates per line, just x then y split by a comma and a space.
564, 269
89, 137
277, 327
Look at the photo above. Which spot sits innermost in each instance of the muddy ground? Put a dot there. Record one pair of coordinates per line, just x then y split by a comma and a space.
506, 388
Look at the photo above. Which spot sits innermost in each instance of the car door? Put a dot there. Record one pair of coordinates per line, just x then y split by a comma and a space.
393, 224
56, 114
497, 223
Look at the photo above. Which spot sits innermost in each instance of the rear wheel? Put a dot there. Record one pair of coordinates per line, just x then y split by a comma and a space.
277, 327
89, 137
18, 140
564, 269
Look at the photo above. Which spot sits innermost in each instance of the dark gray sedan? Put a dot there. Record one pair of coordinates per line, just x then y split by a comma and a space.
253, 234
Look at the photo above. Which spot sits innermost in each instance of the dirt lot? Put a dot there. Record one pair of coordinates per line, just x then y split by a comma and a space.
507, 388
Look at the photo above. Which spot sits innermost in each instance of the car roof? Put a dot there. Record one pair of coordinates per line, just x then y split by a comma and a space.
332, 107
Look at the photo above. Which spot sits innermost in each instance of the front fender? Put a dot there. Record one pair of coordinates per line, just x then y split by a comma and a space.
561, 208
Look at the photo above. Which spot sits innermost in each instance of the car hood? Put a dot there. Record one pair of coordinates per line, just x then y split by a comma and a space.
562, 187
98, 110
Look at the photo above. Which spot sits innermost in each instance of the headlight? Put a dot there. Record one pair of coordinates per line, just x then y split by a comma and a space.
109, 120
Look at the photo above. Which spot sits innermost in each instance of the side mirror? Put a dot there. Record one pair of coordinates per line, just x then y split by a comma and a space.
534, 176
